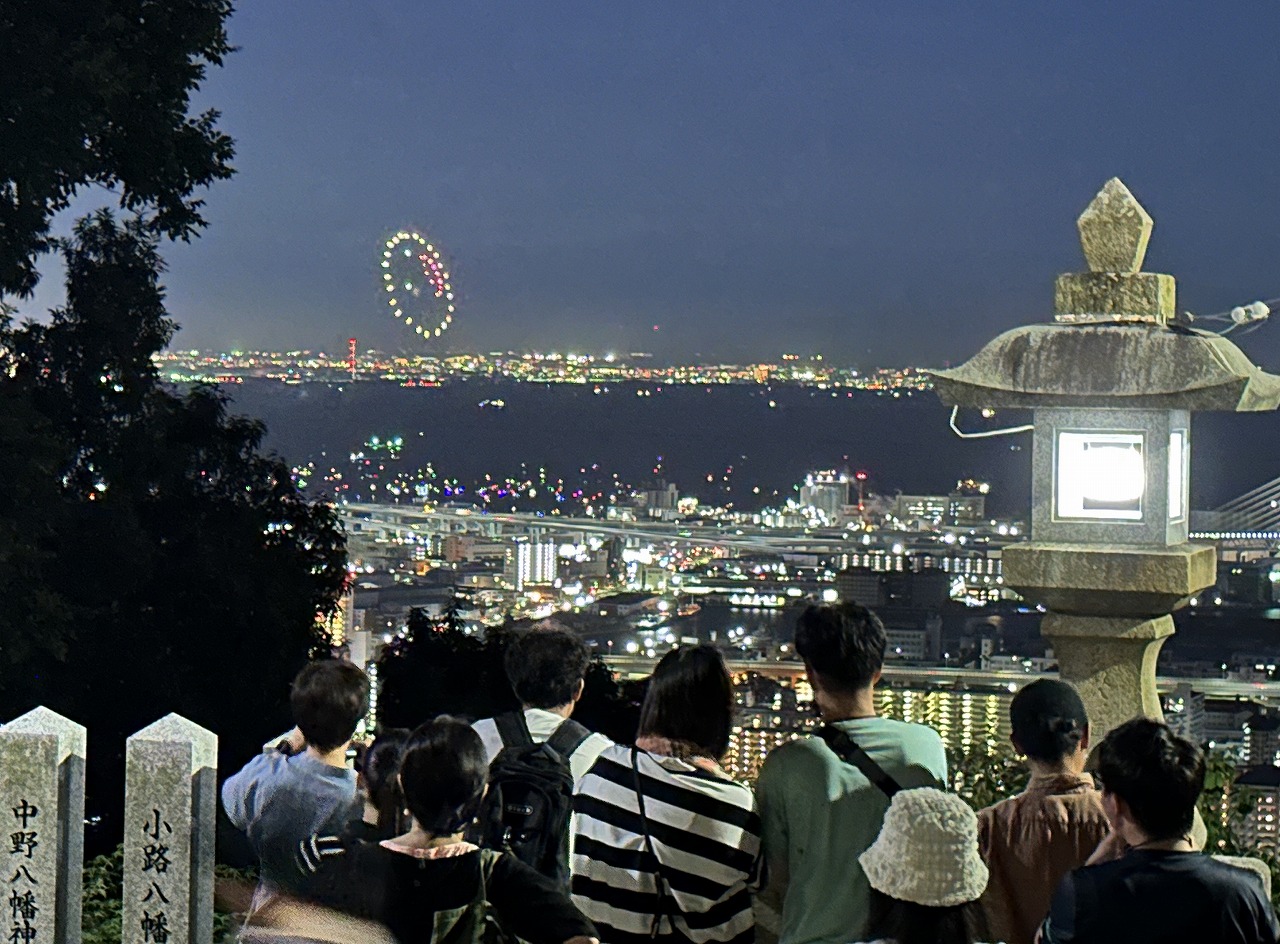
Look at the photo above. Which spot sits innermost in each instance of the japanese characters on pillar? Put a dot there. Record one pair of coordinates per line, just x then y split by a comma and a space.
170, 771
42, 808
155, 860
24, 902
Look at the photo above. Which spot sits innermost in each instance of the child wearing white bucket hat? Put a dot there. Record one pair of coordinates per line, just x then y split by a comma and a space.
925, 872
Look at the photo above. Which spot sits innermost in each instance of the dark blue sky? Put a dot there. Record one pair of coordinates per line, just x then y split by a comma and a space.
883, 182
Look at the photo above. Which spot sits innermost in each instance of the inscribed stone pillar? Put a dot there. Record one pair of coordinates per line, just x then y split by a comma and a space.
169, 807
42, 805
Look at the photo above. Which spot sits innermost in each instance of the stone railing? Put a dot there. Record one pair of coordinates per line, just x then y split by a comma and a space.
170, 801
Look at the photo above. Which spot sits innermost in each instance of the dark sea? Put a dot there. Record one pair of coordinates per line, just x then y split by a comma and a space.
743, 437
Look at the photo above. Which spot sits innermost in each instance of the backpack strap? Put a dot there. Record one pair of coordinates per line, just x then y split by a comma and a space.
567, 738
513, 730
848, 750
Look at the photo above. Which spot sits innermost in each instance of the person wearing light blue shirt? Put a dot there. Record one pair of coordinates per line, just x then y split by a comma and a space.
303, 786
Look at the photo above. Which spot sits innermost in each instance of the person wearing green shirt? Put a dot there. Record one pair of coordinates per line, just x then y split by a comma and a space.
820, 812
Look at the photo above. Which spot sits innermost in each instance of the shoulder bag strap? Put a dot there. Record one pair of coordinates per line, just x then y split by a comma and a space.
567, 738
850, 752
667, 904
513, 730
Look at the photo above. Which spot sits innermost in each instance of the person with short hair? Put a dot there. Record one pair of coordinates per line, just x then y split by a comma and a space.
667, 845
538, 755
1161, 889
925, 872
1032, 840
823, 798
303, 785
428, 884
546, 666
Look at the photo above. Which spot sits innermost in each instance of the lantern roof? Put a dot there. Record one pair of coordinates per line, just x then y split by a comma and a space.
1114, 341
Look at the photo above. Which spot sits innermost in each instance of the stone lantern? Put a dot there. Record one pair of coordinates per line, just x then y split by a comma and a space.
1111, 384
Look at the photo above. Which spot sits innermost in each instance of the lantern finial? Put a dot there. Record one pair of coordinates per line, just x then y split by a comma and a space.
1114, 230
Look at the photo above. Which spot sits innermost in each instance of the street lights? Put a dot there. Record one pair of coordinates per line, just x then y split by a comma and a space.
1111, 384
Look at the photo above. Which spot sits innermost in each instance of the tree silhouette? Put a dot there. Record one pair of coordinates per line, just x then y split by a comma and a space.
441, 669
98, 94
152, 558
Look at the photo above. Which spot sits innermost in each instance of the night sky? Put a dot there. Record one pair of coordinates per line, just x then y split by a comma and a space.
883, 182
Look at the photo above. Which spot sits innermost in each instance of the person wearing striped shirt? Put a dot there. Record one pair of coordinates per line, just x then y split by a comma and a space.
667, 845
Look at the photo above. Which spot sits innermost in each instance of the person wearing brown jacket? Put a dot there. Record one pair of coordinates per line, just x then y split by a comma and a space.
1032, 840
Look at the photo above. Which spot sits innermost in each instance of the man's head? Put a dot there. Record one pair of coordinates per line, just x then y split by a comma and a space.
328, 699
1150, 780
1049, 722
546, 666
842, 645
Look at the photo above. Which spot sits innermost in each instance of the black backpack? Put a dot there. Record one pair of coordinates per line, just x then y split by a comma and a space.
526, 811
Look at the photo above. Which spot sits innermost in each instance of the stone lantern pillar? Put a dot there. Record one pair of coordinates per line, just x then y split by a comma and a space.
1111, 383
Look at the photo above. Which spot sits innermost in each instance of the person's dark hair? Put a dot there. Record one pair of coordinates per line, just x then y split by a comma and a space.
1048, 720
1158, 774
378, 768
443, 774
545, 666
843, 643
690, 700
328, 699
905, 922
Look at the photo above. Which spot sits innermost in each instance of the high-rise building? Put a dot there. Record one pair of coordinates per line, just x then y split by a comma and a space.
531, 563
824, 495
1262, 740
1184, 713
1258, 789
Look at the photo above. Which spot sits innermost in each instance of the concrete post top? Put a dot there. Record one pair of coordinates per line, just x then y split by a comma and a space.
173, 729
41, 721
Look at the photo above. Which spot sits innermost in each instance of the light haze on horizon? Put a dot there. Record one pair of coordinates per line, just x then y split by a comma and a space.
883, 183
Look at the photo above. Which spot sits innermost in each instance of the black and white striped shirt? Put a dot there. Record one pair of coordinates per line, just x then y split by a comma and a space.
706, 837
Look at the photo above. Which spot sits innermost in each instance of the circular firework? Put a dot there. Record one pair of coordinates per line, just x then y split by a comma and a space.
415, 283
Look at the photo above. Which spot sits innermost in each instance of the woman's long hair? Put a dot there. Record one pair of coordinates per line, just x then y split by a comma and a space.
905, 922
690, 701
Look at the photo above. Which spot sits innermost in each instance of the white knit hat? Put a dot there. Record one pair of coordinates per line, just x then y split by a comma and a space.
927, 851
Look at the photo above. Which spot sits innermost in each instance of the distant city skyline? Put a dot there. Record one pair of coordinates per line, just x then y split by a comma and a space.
884, 184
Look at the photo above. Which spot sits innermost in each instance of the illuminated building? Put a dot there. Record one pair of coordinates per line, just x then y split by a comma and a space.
824, 495
1258, 790
969, 722
1185, 714
966, 507
532, 563
1262, 740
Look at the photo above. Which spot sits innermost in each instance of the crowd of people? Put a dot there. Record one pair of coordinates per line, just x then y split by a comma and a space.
530, 826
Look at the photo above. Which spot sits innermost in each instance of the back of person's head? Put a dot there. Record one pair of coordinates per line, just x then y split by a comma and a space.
443, 774
925, 871
1158, 775
328, 699
843, 644
546, 665
1049, 720
380, 769
690, 701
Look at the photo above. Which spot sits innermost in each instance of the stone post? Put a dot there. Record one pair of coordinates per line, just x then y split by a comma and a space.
42, 805
169, 807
